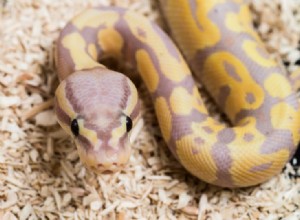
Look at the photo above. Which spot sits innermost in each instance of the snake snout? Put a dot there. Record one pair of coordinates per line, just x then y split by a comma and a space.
104, 159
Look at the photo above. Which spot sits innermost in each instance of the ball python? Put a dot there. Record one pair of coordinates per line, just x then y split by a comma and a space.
99, 107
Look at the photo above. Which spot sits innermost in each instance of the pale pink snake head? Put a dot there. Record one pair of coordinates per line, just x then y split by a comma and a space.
98, 108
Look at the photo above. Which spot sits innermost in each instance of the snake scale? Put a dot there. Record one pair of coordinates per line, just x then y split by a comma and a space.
99, 107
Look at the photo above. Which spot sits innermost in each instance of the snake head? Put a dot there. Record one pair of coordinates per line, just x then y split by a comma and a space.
98, 108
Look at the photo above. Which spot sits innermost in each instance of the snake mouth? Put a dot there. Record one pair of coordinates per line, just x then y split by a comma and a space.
107, 168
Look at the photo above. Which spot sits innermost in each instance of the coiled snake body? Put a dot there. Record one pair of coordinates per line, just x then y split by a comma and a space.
98, 106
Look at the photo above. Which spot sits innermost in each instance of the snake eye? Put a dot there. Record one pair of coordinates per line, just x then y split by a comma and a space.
75, 127
128, 123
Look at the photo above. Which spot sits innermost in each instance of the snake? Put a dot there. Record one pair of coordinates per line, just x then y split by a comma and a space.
216, 45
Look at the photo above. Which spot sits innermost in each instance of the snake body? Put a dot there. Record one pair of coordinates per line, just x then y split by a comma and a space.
98, 106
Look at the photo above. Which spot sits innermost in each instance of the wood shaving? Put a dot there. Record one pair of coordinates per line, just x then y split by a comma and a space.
41, 176
37, 109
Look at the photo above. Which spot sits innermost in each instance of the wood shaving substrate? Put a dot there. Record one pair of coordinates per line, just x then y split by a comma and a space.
41, 176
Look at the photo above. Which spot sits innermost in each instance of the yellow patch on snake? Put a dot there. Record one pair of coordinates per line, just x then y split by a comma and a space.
164, 117
295, 79
76, 45
180, 100
93, 19
117, 133
291, 121
241, 22
146, 68
63, 102
198, 101
91, 135
111, 42
92, 50
217, 76
251, 47
189, 35
172, 68
278, 86
132, 99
